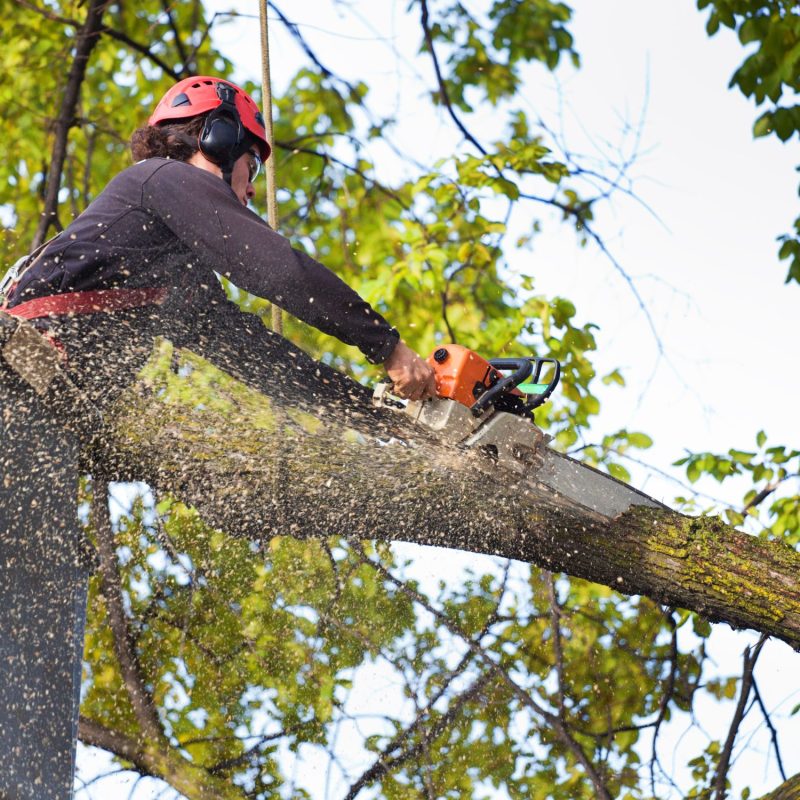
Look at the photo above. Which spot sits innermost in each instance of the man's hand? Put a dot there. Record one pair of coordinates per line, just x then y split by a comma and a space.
412, 377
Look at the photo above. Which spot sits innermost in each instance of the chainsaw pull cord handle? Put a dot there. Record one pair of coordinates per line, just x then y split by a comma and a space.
534, 401
523, 368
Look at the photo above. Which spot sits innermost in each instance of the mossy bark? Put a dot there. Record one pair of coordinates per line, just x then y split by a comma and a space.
790, 790
320, 464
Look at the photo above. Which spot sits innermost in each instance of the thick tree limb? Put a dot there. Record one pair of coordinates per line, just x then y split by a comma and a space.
318, 463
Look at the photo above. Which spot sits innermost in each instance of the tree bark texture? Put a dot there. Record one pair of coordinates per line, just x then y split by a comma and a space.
790, 790
264, 441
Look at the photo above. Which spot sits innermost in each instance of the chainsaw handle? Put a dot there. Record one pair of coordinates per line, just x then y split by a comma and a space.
534, 401
522, 369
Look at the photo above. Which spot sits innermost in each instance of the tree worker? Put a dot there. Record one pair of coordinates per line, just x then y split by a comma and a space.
138, 266
180, 214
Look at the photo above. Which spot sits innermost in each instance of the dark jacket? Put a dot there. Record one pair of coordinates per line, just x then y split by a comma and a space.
168, 223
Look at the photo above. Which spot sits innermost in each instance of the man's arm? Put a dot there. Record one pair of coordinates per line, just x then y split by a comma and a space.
205, 214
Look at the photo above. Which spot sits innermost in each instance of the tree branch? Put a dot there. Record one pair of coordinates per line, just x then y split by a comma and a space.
176, 75
165, 4
140, 698
443, 93
384, 765
773, 733
294, 31
552, 719
558, 652
87, 38
720, 778
694, 563
93, 734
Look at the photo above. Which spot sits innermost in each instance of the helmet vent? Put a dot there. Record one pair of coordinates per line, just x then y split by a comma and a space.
181, 100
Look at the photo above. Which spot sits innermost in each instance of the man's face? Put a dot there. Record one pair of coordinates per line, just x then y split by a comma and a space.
244, 173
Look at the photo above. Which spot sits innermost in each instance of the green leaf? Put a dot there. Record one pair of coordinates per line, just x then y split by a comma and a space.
640, 440
619, 472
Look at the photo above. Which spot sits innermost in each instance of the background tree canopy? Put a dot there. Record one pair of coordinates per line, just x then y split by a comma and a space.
246, 659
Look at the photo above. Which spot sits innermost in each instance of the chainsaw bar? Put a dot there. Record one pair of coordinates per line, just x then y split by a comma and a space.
513, 442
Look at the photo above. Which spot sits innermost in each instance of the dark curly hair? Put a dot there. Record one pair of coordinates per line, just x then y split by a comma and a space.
176, 140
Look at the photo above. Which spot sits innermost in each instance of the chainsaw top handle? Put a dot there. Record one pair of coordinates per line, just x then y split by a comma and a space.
523, 368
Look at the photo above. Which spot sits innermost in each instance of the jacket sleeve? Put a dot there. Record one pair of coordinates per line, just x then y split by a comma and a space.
205, 214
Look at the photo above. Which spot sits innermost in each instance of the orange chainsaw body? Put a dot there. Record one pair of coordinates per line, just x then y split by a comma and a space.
461, 374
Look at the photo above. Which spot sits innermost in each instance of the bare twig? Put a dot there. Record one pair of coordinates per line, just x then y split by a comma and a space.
48, 14
558, 652
384, 765
572, 211
145, 51
300, 39
666, 697
165, 4
328, 158
443, 93
773, 733
552, 719
762, 496
238, 761
750, 658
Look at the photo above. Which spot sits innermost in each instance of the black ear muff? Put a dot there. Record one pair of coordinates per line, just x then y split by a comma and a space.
223, 138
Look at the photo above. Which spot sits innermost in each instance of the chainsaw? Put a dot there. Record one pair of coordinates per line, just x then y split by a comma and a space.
487, 406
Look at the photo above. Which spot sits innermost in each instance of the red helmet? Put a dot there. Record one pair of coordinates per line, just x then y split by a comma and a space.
198, 95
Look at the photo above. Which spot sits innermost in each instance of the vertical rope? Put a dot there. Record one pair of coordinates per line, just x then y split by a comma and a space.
269, 167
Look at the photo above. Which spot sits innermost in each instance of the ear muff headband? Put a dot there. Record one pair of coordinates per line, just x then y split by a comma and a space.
223, 138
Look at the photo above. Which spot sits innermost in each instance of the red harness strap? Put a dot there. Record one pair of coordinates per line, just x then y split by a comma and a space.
94, 302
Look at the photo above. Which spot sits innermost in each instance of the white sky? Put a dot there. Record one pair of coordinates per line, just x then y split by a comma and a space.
708, 269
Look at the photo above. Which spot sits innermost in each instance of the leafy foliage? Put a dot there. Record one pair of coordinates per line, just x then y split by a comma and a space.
253, 654
770, 75
771, 471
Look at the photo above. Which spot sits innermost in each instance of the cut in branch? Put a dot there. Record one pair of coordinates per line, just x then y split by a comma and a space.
682, 562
